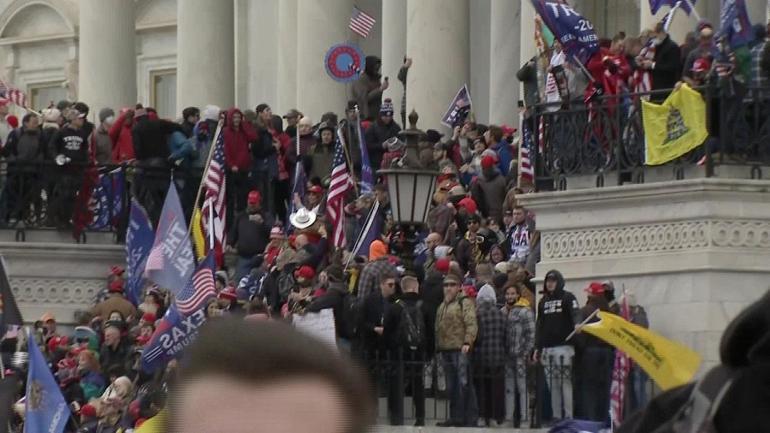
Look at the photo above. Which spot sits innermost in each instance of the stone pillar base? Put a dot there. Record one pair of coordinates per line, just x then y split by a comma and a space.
695, 252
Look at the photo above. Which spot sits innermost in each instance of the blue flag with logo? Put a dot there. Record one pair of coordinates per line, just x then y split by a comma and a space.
367, 175
735, 24
139, 240
575, 33
107, 199
655, 5
170, 262
174, 333
371, 231
46, 409
459, 109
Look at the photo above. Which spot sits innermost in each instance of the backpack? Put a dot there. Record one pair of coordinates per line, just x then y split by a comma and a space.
697, 415
286, 283
411, 333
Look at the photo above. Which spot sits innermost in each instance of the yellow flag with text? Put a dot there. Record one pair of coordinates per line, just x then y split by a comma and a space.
675, 127
669, 363
199, 242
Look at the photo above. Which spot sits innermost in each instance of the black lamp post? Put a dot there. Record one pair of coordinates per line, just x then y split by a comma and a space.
410, 189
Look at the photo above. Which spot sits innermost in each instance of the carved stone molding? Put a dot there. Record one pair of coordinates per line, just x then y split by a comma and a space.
655, 238
59, 291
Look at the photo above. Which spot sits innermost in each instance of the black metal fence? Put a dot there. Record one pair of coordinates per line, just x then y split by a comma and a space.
425, 389
605, 138
45, 195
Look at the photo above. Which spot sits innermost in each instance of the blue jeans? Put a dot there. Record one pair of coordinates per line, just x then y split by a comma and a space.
243, 267
463, 408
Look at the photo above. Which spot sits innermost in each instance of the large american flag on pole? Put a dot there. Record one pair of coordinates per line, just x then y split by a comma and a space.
214, 196
11, 94
340, 184
361, 23
199, 289
619, 375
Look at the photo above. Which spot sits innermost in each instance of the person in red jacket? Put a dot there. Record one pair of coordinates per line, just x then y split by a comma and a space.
237, 135
120, 135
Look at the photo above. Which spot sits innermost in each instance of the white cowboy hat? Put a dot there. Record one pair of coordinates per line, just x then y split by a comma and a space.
302, 218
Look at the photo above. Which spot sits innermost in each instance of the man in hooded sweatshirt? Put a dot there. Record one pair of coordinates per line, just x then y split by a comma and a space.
379, 133
489, 190
521, 341
367, 91
557, 314
238, 133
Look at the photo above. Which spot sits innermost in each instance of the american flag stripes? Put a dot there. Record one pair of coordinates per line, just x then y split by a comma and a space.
340, 184
361, 23
526, 154
620, 372
199, 289
12, 94
214, 196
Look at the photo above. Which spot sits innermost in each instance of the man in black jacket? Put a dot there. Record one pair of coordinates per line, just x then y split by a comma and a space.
249, 234
70, 146
666, 67
557, 315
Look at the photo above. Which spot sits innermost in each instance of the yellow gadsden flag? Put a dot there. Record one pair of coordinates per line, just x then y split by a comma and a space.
669, 363
199, 241
675, 127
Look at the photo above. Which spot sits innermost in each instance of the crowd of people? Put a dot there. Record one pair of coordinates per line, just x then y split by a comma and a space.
453, 317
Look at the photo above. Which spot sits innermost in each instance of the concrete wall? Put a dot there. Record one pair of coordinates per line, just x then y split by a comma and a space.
695, 252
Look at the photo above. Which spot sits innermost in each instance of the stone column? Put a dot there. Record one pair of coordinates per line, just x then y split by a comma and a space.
205, 53
321, 25
394, 50
438, 41
528, 49
287, 60
503, 62
107, 60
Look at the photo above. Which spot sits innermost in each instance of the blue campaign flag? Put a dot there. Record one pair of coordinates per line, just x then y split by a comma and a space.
575, 33
367, 175
685, 5
107, 199
139, 240
371, 231
577, 426
174, 333
459, 108
735, 24
46, 409
170, 262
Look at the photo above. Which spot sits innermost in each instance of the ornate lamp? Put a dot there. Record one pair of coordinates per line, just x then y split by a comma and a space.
410, 188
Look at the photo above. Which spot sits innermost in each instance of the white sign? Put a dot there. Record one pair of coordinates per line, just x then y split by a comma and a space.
318, 325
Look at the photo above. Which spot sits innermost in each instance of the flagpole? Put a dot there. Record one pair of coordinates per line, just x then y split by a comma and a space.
211, 227
694, 11
367, 222
582, 324
206, 169
341, 139
521, 141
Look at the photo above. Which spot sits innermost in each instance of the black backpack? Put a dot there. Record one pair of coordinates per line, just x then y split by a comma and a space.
411, 331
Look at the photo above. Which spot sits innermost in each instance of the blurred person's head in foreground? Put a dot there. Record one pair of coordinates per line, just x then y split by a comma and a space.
283, 380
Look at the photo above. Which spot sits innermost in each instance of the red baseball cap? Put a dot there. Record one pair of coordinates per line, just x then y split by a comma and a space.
315, 189
595, 288
488, 161
254, 198
306, 272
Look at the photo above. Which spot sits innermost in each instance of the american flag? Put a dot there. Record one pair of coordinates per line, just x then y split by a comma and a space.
214, 195
526, 154
339, 186
199, 289
361, 23
619, 375
642, 78
12, 94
